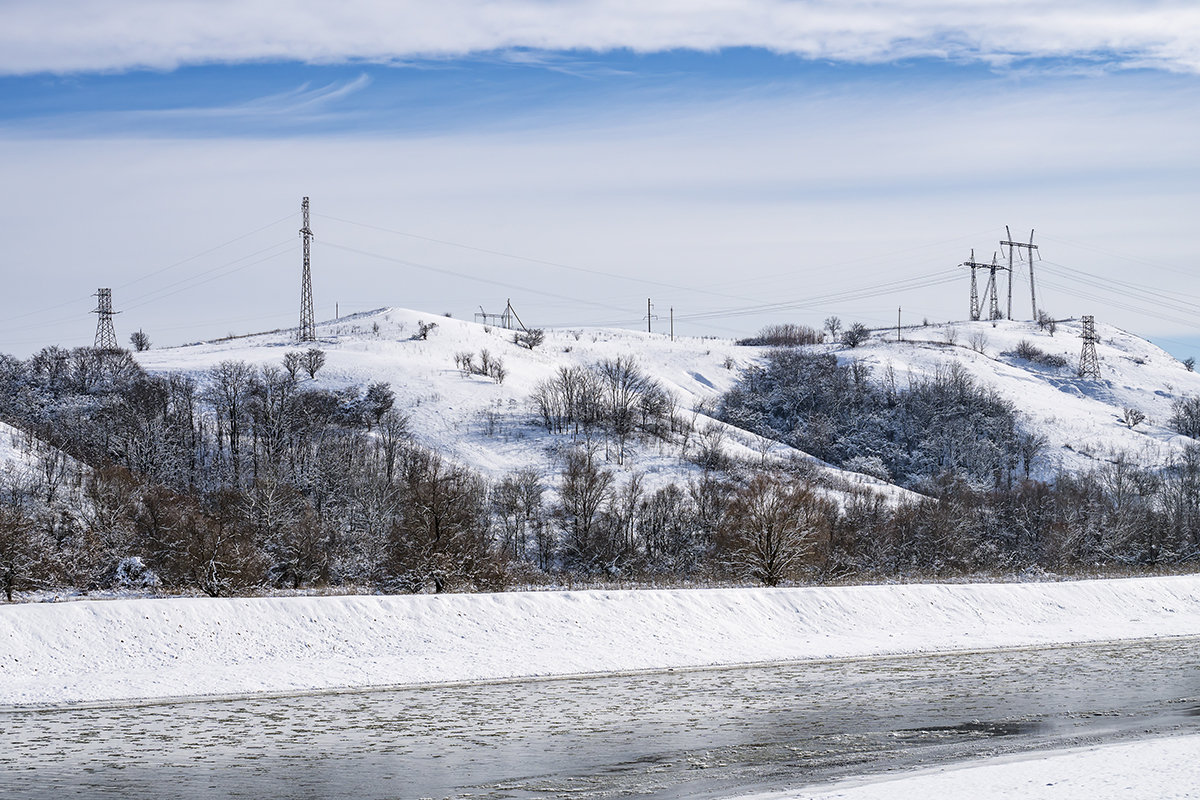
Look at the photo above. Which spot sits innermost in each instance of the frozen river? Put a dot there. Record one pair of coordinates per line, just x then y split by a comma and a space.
685, 734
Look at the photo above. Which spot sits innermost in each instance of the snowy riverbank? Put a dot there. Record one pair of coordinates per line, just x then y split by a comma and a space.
1163, 769
115, 650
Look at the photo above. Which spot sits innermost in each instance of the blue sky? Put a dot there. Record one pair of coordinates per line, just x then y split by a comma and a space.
742, 164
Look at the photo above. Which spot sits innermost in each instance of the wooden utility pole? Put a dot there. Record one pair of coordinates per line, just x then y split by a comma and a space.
897, 323
672, 323
1011, 245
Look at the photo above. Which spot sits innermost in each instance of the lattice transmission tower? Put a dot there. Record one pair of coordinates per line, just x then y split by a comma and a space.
1089, 363
976, 306
991, 294
308, 325
106, 336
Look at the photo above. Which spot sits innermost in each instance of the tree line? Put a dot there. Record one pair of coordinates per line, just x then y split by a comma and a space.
244, 479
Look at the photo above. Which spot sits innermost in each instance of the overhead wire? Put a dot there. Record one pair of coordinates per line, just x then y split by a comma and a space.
543, 262
146, 276
465, 276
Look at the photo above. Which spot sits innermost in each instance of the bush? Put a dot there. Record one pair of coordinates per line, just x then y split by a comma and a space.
855, 335
1029, 352
529, 339
784, 335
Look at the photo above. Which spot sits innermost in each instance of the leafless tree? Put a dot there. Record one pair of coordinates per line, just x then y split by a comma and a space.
770, 528
313, 360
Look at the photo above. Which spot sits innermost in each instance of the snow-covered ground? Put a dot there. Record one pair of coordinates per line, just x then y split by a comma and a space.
1157, 769
18, 452
96, 651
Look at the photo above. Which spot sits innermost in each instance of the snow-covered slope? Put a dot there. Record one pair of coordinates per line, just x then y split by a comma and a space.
124, 649
16, 450
491, 426
1080, 418
24, 458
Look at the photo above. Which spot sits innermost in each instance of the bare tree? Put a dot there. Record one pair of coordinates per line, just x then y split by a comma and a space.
529, 339
23, 554
313, 360
139, 340
292, 362
516, 503
379, 399
855, 335
229, 392
441, 541
770, 528
584, 491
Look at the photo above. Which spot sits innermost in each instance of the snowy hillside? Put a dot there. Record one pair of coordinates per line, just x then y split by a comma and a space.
1081, 419
489, 425
27, 461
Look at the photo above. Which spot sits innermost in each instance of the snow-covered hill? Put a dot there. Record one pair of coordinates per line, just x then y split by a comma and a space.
1082, 419
491, 425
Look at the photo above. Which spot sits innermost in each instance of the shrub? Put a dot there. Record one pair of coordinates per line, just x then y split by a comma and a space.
1029, 352
855, 335
784, 335
529, 339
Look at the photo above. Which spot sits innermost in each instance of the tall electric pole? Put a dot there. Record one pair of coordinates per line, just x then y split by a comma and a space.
106, 336
990, 292
976, 308
308, 325
1089, 363
1011, 245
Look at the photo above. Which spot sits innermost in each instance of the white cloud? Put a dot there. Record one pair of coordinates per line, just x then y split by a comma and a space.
82, 35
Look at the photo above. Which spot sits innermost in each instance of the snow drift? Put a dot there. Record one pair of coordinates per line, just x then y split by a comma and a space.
121, 650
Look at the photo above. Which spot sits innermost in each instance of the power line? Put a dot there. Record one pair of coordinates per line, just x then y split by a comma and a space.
543, 262
82, 298
465, 276
928, 280
206, 252
191, 282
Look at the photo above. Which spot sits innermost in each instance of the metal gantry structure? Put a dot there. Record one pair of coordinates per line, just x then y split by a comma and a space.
988, 291
308, 325
504, 319
106, 335
991, 291
991, 294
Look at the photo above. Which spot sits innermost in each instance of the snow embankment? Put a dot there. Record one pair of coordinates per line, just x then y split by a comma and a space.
116, 650
1163, 769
